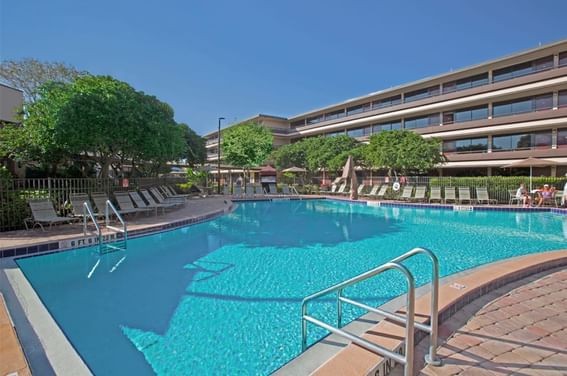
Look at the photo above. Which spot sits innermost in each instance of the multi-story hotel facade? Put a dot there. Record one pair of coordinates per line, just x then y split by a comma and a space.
488, 115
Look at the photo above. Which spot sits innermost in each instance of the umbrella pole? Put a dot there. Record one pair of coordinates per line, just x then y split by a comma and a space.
531, 179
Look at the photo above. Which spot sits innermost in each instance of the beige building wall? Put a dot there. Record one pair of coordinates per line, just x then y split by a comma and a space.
11, 102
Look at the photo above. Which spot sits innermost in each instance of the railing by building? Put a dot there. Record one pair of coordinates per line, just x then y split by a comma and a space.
15, 193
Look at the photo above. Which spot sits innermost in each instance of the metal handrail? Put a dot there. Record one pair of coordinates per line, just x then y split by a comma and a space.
124, 229
88, 213
406, 360
432, 328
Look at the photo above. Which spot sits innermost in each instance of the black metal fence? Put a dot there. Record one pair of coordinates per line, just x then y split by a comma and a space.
15, 193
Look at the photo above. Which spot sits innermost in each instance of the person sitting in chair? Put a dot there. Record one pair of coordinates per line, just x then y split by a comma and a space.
522, 194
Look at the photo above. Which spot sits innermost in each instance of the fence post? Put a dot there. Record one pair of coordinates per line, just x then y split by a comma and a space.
49, 187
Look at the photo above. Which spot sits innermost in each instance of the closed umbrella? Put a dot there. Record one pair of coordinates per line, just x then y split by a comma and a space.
531, 163
349, 172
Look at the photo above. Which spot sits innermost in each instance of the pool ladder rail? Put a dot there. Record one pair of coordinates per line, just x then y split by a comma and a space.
108, 212
409, 319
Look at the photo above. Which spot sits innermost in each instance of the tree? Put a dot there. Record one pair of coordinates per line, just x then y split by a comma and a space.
246, 145
30, 74
97, 118
196, 149
403, 151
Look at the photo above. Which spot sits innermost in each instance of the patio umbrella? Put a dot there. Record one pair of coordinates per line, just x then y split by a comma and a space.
531, 162
348, 172
294, 169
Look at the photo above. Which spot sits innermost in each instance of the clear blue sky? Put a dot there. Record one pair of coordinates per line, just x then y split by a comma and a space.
238, 58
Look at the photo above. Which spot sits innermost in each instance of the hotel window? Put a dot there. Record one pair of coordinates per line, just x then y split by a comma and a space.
522, 69
522, 141
562, 59
298, 123
523, 105
359, 132
422, 121
377, 128
358, 109
335, 134
562, 99
470, 145
387, 102
315, 119
465, 83
334, 115
562, 138
421, 94
468, 114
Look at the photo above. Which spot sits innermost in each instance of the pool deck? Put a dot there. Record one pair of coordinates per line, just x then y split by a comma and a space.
522, 332
12, 358
462, 298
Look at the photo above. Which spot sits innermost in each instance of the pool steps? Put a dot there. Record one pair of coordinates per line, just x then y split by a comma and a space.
401, 355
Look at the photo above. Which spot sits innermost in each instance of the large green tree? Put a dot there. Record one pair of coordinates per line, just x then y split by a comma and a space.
403, 151
246, 145
315, 153
30, 74
196, 148
101, 119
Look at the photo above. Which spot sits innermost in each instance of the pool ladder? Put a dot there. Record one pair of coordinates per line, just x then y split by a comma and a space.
109, 210
409, 319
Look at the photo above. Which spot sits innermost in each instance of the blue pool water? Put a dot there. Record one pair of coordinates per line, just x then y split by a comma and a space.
224, 296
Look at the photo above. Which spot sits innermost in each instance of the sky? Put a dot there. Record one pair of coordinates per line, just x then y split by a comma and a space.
238, 58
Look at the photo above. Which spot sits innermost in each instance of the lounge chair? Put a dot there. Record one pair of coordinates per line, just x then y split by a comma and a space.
77, 201
272, 189
360, 189
435, 194
226, 190
373, 191
170, 192
382, 191
126, 206
419, 194
333, 189
450, 194
465, 195
166, 200
249, 191
558, 198
514, 198
44, 213
259, 191
406, 194
287, 191
99, 200
152, 204
482, 196
237, 191
341, 190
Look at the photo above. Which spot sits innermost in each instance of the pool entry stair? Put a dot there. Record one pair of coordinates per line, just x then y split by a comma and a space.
113, 242
405, 356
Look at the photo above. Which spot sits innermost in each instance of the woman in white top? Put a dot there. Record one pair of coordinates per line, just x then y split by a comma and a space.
523, 195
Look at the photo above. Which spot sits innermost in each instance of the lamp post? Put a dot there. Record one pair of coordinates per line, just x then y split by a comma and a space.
218, 156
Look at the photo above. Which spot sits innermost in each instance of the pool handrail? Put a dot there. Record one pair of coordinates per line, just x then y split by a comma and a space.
108, 208
408, 320
88, 213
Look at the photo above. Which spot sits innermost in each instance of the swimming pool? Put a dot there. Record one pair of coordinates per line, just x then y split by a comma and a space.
224, 296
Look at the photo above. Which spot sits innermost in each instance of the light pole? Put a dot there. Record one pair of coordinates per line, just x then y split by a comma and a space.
218, 157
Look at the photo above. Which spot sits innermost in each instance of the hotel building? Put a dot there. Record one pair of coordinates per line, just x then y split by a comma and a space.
487, 115
11, 102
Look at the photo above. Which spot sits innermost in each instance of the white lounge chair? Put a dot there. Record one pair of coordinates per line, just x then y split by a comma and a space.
406, 193
382, 191
435, 194
373, 191
450, 194
419, 194
360, 189
482, 196
166, 200
77, 201
464, 195
259, 191
152, 204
